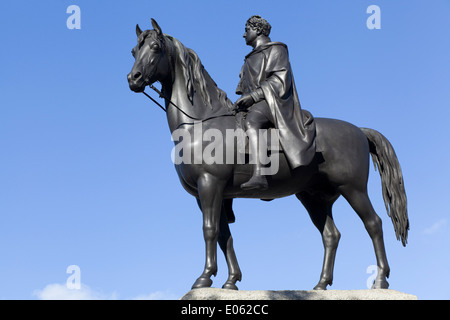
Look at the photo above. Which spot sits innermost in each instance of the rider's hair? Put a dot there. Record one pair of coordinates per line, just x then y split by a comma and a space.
260, 24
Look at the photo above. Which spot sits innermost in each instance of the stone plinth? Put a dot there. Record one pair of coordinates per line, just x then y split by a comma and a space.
222, 294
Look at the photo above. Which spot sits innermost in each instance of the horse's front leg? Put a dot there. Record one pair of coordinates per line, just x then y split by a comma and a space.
226, 244
210, 190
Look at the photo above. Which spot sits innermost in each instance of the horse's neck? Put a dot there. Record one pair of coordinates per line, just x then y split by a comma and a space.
179, 97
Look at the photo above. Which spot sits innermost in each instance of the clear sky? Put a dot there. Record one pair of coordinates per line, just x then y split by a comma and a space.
86, 176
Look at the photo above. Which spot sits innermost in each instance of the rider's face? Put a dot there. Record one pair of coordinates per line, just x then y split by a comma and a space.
250, 35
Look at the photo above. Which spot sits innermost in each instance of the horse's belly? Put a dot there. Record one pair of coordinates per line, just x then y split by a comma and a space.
281, 179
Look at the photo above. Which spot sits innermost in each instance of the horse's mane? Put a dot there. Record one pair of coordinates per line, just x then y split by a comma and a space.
197, 78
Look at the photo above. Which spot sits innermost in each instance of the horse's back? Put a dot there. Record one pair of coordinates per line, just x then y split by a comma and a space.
342, 157
344, 149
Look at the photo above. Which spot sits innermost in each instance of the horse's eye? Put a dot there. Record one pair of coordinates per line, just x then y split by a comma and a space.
132, 52
155, 47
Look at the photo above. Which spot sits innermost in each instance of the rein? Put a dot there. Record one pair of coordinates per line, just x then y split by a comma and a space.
161, 95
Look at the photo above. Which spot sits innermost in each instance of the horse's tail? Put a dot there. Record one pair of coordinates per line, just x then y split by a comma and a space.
384, 157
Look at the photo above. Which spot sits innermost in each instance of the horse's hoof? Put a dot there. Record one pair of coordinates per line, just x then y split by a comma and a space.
380, 284
202, 283
322, 285
229, 286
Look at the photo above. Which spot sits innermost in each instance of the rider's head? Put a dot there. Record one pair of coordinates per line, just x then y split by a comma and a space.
259, 24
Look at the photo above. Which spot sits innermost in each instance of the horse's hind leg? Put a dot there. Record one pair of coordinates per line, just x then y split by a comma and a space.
360, 202
319, 209
226, 244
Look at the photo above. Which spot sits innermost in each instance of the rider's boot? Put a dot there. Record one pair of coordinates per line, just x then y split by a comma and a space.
257, 181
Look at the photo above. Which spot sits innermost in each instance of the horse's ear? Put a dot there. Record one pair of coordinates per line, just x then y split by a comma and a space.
156, 27
138, 30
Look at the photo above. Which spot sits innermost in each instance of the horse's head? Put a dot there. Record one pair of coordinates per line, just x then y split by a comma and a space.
152, 62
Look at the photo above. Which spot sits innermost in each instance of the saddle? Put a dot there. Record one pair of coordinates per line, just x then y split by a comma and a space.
272, 133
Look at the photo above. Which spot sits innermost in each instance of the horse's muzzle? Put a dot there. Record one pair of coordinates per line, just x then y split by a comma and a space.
136, 82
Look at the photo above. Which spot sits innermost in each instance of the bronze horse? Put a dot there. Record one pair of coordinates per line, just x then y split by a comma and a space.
340, 167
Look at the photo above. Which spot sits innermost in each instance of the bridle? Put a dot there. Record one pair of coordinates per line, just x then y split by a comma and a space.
169, 102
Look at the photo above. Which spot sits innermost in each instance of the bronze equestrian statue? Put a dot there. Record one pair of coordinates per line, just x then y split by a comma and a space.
339, 164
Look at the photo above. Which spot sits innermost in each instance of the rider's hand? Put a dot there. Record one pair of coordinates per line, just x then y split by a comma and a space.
245, 102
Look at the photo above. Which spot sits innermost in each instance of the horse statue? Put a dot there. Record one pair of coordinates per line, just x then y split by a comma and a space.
340, 166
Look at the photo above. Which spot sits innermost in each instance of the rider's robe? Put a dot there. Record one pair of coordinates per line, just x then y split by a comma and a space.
267, 71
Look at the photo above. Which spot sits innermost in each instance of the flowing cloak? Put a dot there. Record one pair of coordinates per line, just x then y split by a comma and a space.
267, 71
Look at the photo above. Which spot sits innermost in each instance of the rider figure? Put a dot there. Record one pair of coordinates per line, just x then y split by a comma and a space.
270, 99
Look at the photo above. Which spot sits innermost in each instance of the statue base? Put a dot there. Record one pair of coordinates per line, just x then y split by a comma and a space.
223, 294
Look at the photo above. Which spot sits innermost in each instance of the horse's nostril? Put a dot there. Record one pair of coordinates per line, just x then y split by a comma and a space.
137, 75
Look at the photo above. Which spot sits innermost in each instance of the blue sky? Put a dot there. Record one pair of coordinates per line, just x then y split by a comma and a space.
86, 176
